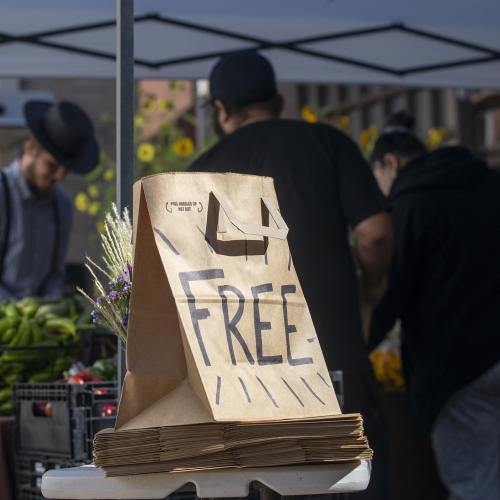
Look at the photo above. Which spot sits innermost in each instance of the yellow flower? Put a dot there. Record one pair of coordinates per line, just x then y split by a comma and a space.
165, 105
93, 190
373, 131
387, 367
138, 121
82, 202
94, 208
109, 174
435, 137
149, 104
378, 362
176, 85
344, 122
308, 114
100, 226
184, 147
364, 138
146, 152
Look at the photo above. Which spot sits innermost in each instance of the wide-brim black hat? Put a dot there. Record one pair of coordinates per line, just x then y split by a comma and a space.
65, 131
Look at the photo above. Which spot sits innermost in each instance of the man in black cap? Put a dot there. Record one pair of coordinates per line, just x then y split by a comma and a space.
35, 214
325, 189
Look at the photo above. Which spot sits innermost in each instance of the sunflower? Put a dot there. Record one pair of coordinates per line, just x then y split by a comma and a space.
94, 208
364, 138
184, 147
93, 190
435, 137
308, 114
146, 152
149, 105
138, 121
344, 122
82, 202
109, 174
165, 105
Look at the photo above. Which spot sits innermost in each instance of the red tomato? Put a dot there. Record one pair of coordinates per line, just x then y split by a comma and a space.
82, 377
76, 379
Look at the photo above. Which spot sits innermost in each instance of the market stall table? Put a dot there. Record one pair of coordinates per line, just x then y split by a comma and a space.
89, 482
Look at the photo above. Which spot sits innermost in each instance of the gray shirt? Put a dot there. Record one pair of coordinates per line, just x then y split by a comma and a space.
34, 261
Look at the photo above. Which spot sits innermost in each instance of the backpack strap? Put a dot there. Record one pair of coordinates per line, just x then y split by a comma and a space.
4, 241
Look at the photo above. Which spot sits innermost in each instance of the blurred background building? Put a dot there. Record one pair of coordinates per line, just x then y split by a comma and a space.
443, 116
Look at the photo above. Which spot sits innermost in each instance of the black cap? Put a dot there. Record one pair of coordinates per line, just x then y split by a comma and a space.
65, 131
242, 78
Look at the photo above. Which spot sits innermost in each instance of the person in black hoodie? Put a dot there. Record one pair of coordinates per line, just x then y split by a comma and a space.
445, 288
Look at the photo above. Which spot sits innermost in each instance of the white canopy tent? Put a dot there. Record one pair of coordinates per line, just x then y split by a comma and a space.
430, 42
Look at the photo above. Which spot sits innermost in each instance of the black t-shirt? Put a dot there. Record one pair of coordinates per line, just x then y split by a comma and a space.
323, 187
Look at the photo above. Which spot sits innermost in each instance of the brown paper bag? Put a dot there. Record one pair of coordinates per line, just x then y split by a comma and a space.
219, 328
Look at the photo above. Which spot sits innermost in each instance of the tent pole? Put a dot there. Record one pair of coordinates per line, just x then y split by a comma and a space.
124, 123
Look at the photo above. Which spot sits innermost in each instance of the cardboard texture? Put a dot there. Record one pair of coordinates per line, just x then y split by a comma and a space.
220, 332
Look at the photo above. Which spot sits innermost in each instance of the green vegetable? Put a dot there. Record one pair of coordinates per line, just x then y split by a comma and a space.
29, 305
37, 332
24, 334
8, 335
60, 364
11, 311
7, 407
103, 368
5, 394
61, 324
23, 357
56, 310
44, 376
84, 327
7, 323
11, 367
30, 301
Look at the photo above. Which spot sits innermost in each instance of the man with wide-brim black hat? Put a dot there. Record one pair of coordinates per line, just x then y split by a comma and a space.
35, 213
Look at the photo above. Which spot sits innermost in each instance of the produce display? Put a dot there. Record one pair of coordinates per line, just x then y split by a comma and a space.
38, 341
386, 360
102, 370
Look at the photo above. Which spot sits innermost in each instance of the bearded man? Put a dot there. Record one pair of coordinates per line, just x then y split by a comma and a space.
35, 213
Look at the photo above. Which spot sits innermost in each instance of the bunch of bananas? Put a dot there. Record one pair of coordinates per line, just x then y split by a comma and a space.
36, 337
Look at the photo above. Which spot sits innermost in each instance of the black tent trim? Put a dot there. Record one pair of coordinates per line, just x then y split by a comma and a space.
297, 46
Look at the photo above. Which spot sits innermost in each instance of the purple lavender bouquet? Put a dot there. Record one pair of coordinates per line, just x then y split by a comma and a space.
111, 306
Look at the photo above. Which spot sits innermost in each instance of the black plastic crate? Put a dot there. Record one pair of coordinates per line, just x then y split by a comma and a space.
60, 420
19, 364
30, 469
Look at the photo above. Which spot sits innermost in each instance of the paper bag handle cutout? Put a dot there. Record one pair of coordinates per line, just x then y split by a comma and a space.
279, 232
216, 224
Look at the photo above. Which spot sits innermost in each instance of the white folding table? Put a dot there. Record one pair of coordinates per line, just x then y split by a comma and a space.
89, 483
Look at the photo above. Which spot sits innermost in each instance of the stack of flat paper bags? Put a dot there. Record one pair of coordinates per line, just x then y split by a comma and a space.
236, 444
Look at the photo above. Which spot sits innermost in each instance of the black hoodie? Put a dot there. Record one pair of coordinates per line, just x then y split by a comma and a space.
445, 279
